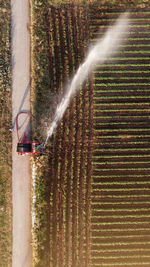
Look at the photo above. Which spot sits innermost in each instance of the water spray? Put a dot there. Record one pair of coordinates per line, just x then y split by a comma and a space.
97, 55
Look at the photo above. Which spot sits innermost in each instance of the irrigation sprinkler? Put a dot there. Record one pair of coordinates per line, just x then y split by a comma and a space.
25, 146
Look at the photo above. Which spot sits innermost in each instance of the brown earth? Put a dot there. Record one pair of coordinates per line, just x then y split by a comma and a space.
71, 194
99, 162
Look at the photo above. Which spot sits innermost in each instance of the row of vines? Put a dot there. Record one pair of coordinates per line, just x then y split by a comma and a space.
120, 200
63, 227
87, 209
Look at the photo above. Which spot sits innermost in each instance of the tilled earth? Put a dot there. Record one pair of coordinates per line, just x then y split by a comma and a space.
99, 164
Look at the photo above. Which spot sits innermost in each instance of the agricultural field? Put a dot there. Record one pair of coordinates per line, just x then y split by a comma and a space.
5, 136
92, 186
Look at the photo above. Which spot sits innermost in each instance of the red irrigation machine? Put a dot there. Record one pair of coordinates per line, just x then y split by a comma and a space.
27, 147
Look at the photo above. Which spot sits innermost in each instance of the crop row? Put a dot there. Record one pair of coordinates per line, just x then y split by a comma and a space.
95, 129
64, 225
119, 196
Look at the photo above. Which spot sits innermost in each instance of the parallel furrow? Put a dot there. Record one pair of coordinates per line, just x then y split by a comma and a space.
121, 159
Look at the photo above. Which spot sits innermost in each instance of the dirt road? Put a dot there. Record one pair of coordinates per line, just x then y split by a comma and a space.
21, 250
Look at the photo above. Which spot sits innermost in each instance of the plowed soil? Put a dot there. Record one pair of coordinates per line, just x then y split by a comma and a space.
99, 165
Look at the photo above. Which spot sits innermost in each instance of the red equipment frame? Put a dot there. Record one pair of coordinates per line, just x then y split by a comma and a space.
34, 147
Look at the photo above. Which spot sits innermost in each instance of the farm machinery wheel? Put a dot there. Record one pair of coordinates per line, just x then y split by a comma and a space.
24, 147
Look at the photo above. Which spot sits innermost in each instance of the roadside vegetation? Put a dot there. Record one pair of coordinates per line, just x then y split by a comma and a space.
5, 136
80, 180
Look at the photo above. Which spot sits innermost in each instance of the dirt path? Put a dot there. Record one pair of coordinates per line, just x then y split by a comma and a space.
21, 250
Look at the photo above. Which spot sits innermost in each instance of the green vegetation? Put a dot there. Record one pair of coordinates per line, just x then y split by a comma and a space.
96, 170
5, 136
57, 179
139, 3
